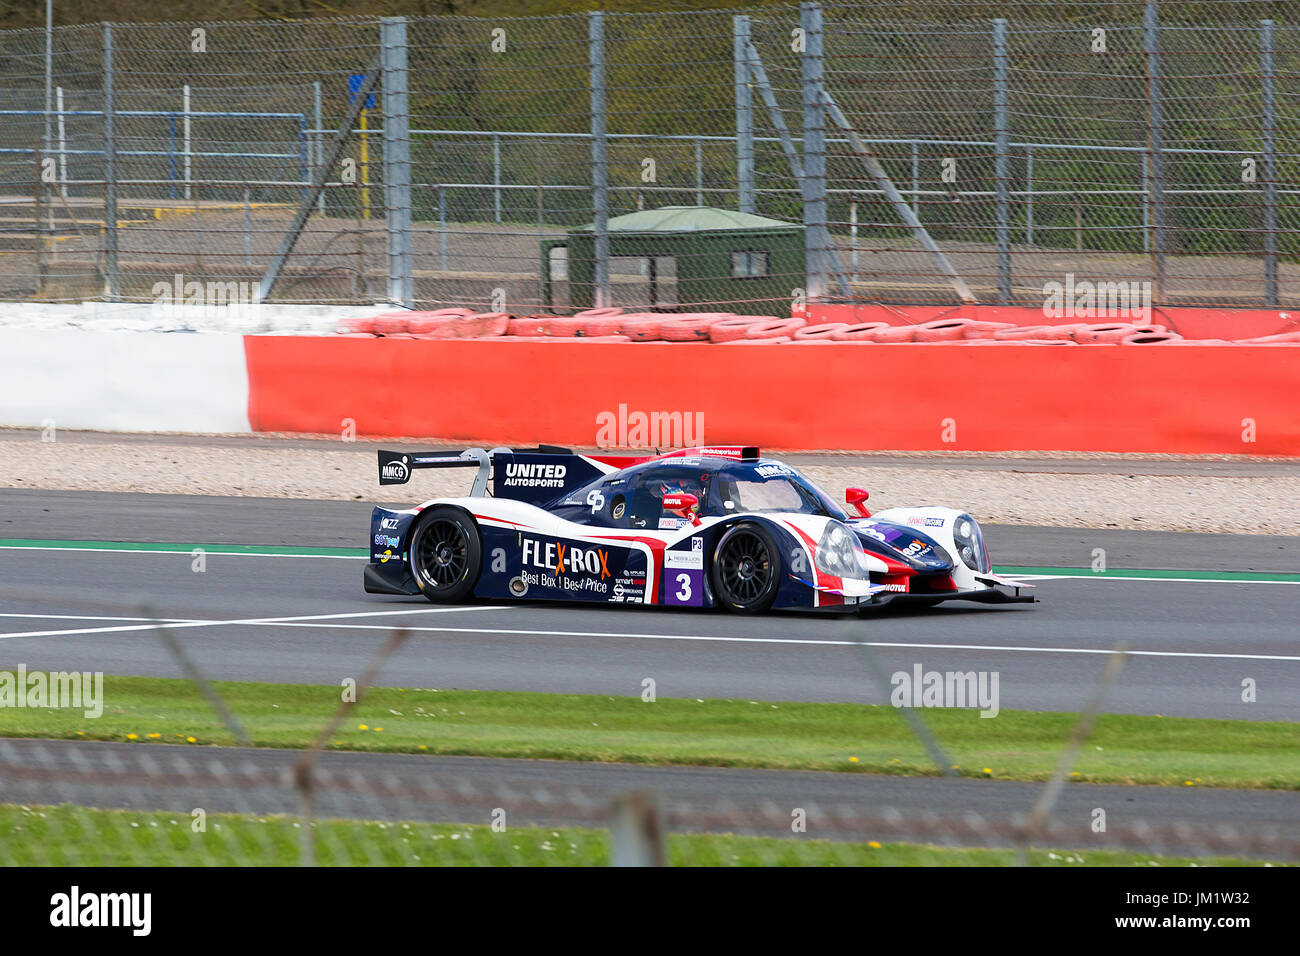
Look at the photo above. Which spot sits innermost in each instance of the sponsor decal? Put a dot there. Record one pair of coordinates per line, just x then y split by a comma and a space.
672, 524
626, 591
386, 541
619, 507
683, 559
383, 557
920, 522
894, 587
388, 524
733, 453
526, 475
396, 470
773, 471
567, 567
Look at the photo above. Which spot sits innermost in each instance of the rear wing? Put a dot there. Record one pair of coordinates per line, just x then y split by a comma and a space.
538, 475
395, 468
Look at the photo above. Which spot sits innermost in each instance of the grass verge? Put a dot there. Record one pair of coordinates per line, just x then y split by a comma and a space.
1016, 745
77, 836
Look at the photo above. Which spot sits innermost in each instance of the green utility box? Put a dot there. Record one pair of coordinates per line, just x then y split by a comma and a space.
722, 259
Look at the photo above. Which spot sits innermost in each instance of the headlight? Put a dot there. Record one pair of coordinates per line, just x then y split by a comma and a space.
970, 544
840, 554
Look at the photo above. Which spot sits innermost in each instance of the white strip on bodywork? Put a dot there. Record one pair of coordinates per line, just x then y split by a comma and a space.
123, 381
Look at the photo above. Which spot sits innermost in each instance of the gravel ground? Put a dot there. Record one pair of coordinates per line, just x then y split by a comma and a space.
1267, 502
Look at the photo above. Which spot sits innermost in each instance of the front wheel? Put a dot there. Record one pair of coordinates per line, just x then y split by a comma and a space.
746, 569
446, 555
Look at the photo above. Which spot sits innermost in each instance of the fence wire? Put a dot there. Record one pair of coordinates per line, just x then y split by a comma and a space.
71, 803
1128, 142
159, 797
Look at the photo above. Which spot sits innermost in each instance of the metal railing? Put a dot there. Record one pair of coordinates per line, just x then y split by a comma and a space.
964, 146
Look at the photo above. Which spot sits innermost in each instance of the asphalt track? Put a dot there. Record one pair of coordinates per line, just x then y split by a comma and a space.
296, 617
552, 792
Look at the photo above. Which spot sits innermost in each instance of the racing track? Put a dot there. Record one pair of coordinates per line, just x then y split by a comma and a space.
303, 618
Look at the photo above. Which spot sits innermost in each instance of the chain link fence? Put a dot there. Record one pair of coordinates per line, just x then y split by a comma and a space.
171, 799
901, 152
64, 803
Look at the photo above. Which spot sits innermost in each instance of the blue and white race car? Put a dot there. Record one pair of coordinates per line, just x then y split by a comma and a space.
702, 527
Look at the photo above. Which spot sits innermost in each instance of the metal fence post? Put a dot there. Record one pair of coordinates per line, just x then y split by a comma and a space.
1002, 159
110, 174
1155, 148
816, 234
397, 160
1269, 138
496, 177
744, 115
636, 830
916, 176
699, 172
318, 138
1029, 195
63, 147
599, 159
187, 139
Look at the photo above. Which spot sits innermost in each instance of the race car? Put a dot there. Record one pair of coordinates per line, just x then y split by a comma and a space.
700, 527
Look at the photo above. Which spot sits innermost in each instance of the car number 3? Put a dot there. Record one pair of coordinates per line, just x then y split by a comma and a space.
684, 594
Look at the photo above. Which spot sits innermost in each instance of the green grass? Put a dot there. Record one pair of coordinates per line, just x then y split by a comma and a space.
77, 836
1016, 745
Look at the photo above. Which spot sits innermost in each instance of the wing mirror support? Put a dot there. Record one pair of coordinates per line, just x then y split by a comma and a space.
856, 497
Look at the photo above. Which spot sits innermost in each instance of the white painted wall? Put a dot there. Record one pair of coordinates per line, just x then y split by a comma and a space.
123, 381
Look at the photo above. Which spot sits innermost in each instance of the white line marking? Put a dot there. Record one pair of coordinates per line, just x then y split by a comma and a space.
783, 640
91, 617
319, 621
307, 621
199, 547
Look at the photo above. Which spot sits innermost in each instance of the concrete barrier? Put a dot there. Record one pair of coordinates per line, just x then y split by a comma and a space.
1206, 399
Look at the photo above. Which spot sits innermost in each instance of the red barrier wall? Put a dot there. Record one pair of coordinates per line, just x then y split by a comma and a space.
1190, 323
1186, 399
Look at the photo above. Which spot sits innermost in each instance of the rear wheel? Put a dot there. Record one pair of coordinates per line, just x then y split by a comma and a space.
746, 569
446, 555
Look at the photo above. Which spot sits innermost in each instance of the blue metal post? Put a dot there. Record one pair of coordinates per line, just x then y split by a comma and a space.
1269, 137
744, 115
816, 233
599, 160
1002, 159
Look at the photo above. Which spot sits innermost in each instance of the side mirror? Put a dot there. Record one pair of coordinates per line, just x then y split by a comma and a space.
856, 497
684, 506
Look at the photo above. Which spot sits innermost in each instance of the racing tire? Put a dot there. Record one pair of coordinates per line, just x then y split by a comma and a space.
746, 569
446, 555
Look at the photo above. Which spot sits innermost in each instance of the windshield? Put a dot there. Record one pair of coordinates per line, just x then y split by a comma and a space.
783, 493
